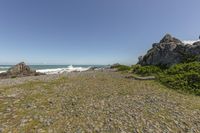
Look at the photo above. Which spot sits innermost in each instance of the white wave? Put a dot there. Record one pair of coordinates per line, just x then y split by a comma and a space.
4, 67
2, 71
61, 70
190, 41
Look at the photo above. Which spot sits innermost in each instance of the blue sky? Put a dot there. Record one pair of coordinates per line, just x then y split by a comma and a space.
91, 31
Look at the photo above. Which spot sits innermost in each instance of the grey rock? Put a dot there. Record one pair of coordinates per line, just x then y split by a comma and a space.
92, 68
19, 70
196, 43
1, 130
169, 39
169, 51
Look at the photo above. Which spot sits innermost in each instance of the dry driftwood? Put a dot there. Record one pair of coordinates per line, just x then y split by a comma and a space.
141, 78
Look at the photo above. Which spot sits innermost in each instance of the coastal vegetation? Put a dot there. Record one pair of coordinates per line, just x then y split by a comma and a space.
145, 70
120, 67
173, 63
183, 76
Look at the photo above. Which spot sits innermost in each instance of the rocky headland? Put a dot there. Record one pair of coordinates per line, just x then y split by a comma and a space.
170, 51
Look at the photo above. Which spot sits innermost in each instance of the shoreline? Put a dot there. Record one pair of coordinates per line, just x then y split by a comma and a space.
45, 78
23, 70
55, 68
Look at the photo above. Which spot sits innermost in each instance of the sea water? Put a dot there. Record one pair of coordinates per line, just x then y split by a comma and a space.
54, 69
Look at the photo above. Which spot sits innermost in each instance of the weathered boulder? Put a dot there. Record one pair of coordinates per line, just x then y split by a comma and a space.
170, 51
92, 68
19, 70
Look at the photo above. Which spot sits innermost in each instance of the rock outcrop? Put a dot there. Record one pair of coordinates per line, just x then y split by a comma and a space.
170, 51
19, 70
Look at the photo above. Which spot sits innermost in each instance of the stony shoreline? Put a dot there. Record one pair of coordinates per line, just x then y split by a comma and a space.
94, 101
46, 78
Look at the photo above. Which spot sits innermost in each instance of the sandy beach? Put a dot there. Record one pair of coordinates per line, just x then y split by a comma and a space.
94, 101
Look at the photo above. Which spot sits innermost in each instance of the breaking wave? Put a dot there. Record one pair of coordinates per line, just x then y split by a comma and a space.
61, 70
2, 71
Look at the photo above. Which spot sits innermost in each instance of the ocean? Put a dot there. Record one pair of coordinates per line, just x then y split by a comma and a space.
54, 69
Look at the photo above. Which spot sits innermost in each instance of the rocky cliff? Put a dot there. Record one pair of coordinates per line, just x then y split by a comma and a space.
169, 51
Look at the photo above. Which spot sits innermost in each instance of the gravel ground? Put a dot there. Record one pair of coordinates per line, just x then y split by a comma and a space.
94, 102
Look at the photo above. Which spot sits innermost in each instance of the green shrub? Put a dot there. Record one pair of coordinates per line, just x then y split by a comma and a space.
146, 70
120, 67
187, 58
184, 76
123, 68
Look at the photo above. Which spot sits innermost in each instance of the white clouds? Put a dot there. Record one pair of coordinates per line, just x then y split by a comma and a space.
190, 41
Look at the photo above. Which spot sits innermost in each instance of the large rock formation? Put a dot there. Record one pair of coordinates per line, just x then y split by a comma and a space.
170, 51
19, 70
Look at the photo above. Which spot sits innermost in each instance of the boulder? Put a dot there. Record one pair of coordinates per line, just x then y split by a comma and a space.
169, 51
19, 70
92, 68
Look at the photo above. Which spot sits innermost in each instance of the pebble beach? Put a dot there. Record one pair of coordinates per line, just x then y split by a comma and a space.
94, 101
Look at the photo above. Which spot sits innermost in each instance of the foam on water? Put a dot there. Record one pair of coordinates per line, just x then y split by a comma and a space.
61, 70
2, 71
53, 69
4, 68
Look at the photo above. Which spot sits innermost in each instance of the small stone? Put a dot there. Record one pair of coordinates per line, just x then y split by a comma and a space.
23, 122
123, 131
8, 109
1, 130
